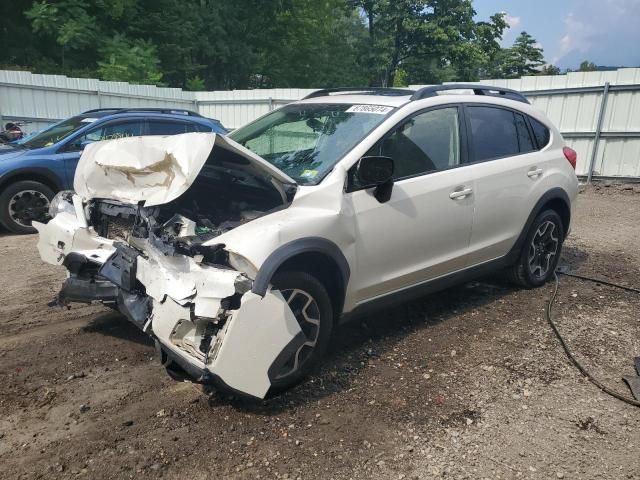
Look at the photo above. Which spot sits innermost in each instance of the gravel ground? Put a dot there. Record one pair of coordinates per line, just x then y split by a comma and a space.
468, 383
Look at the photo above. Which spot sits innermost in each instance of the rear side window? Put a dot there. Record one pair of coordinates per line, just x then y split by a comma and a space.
167, 128
497, 132
541, 133
199, 128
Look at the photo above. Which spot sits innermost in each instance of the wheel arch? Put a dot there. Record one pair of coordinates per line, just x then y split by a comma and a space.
555, 199
319, 257
42, 175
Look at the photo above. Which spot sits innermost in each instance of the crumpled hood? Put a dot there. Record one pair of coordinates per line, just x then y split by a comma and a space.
154, 169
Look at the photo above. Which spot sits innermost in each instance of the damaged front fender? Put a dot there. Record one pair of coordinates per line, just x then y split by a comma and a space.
204, 318
241, 356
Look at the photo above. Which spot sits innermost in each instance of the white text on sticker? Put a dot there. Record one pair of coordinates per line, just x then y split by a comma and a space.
379, 109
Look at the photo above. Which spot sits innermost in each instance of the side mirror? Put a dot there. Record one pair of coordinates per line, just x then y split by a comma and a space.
376, 171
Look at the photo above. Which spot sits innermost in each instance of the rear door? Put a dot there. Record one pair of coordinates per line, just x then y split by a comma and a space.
506, 170
423, 231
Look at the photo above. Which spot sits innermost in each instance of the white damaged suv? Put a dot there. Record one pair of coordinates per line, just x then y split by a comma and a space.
239, 254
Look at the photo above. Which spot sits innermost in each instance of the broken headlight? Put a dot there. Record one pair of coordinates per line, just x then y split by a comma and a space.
62, 202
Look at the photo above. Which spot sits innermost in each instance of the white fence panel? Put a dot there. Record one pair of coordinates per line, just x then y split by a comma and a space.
44, 99
237, 107
573, 102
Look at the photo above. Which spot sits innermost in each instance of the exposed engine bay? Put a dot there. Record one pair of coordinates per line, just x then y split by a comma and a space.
158, 261
217, 201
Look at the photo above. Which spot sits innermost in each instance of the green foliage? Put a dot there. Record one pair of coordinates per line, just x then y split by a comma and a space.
312, 43
525, 57
194, 84
400, 78
129, 61
587, 66
550, 70
214, 44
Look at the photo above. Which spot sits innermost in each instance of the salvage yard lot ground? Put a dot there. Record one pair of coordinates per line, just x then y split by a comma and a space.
469, 383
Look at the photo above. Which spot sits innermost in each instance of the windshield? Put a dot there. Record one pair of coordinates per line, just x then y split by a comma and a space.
306, 140
56, 132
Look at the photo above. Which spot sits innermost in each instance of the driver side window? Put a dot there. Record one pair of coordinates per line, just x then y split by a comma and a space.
427, 142
108, 132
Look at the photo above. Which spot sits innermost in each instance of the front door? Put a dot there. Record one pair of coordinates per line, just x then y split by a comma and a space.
107, 131
423, 231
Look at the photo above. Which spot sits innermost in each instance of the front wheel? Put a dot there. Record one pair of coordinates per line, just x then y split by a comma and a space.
541, 251
310, 303
23, 202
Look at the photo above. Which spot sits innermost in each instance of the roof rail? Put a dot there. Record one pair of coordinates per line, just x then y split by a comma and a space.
176, 111
367, 90
500, 92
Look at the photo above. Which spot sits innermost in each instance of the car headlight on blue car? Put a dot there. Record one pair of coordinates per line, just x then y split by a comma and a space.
62, 202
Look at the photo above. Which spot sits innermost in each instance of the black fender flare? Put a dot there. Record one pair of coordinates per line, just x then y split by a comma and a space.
32, 171
555, 193
296, 247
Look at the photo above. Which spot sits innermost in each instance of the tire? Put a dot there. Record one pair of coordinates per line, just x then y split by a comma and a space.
540, 253
304, 286
24, 201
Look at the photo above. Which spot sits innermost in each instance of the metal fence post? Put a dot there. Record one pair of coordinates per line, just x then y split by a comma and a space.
270, 103
596, 138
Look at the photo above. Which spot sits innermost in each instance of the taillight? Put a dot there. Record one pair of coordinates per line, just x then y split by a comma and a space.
571, 155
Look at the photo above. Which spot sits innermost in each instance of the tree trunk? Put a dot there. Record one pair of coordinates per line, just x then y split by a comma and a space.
395, 57
368, 10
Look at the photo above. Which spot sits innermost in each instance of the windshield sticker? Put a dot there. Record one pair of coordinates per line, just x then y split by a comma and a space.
88, 120
309, 174
378, 109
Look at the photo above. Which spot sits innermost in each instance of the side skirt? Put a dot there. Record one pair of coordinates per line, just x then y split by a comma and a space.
430, 286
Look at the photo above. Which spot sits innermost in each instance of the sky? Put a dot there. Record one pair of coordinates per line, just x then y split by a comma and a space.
605, 32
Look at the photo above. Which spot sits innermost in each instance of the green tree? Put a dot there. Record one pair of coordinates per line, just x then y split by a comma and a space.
129, 61
587, 66
214, 44
195, 84
312, 44
525, 57
431, 40
550, 70
67, 23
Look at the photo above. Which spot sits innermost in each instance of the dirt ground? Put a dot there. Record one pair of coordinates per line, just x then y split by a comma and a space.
468, 383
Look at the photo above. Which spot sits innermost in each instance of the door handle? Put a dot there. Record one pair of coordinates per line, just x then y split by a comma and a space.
534, 172
460, 193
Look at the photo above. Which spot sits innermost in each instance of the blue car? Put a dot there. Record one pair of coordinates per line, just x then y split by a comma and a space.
33, 170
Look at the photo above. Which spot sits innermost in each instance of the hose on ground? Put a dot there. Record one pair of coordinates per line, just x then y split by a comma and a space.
565, 347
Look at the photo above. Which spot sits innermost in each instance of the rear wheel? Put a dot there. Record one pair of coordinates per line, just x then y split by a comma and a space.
311, 305
541, 251
23, 202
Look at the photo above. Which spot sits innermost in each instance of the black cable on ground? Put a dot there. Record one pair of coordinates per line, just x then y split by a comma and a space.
573, 359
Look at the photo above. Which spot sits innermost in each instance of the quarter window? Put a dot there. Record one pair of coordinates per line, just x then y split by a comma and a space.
540, 132
497, 132
525, 142
428, 142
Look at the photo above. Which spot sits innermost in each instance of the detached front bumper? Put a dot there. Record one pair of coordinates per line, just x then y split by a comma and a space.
207, 324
